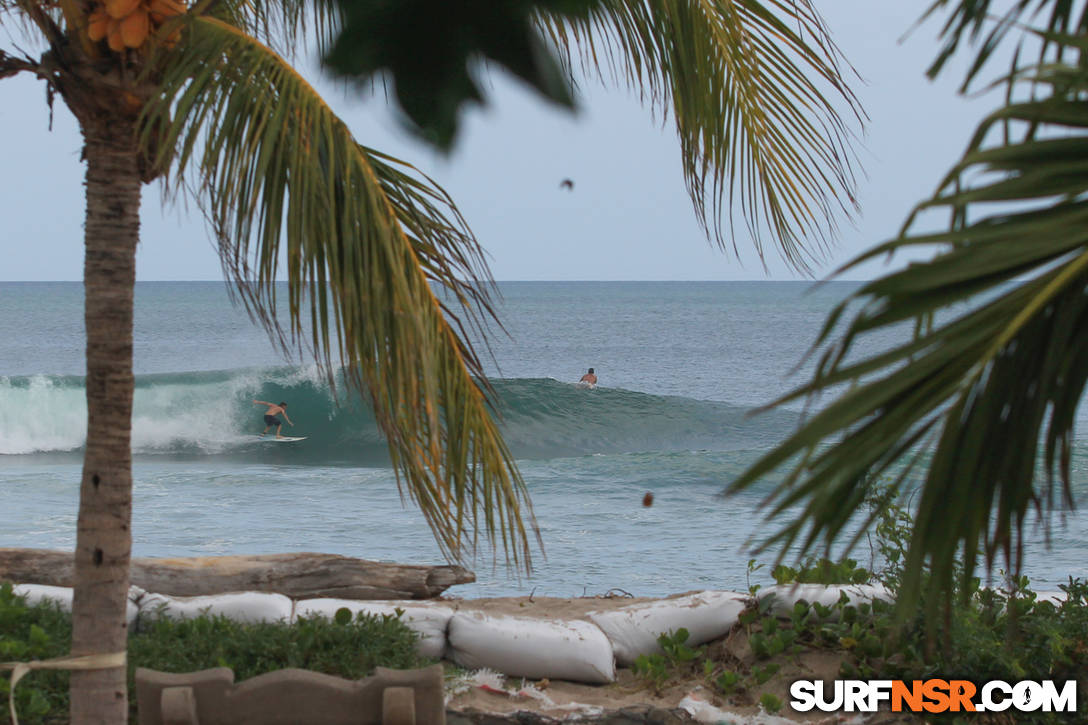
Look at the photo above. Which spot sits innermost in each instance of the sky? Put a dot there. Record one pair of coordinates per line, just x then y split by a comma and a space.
628, 216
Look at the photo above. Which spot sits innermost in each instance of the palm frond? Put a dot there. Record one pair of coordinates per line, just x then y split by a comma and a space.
991, 383
39, 25
10, 65
990, 30
287, 26
755, 89
365, 236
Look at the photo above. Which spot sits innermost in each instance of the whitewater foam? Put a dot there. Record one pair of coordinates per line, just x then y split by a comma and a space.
42, 413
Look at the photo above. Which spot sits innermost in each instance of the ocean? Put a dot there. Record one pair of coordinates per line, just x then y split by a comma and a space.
681, 366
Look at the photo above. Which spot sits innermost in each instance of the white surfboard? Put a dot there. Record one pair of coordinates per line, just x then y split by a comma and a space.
284, 439
586, 384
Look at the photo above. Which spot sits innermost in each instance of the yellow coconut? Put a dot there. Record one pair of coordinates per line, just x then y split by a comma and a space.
135, 28
121, 8
98, 25
117, 43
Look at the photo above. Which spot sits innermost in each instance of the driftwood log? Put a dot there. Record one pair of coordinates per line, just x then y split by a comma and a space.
299, 576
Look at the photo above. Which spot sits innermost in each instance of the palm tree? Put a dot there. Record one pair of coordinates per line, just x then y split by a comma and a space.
199, 97
983, 396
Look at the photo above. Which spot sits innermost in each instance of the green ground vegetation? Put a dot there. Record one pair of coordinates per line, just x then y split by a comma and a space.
988, 633
349, 647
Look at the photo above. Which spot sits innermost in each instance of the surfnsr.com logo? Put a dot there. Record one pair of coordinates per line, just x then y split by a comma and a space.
934, 696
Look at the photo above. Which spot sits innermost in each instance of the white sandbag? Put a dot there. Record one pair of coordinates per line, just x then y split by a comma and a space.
247, 607
37, 593
524, 647
786, 595
429, 620
633, 630
135, 594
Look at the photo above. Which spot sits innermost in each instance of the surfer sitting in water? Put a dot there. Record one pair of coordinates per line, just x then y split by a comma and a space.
589, 378
270, 418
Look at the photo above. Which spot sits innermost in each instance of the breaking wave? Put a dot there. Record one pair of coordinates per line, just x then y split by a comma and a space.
199, 414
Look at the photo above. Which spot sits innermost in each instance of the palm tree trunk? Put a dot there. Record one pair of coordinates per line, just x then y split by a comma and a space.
104, 539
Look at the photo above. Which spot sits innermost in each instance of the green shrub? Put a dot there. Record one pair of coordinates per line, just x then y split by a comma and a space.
656, 669
770, 703
822, 571
351, 650
34, 633
1003, 634
345, 647
652, 669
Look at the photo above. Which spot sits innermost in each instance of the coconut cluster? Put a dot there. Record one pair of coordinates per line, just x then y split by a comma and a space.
129, 23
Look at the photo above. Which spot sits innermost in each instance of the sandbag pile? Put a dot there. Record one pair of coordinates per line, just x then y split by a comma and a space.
37, 593
634, 630
536, 648
429, 620
784, 596
577, 650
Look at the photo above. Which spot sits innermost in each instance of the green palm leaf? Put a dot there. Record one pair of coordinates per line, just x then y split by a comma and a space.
365, 237
754, 88
287, 26
975, 19
992, 378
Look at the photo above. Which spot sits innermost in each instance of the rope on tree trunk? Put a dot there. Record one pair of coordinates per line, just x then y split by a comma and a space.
79, 662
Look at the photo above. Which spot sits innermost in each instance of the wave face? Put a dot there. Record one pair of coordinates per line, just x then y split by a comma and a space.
210, 414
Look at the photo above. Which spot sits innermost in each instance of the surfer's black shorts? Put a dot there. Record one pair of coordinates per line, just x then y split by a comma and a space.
272, 420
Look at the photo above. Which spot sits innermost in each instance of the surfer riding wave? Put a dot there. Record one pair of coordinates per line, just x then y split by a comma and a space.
270, 419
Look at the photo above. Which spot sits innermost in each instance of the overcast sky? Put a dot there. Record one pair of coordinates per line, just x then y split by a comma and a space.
627, 218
